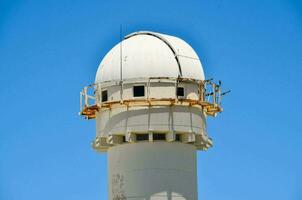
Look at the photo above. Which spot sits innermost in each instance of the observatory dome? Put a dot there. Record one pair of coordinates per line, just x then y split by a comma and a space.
149, 54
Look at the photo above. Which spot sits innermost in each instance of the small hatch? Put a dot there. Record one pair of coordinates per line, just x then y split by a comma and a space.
138, 90
104, 95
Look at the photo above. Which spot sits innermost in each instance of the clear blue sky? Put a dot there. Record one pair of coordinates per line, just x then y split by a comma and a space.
50, 49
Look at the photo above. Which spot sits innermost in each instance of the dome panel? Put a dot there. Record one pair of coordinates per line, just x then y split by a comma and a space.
191, 66
148, 54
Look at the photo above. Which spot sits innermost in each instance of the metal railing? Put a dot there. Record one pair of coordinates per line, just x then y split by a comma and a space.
209, 95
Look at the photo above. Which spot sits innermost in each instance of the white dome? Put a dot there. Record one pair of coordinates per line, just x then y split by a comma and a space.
149, 54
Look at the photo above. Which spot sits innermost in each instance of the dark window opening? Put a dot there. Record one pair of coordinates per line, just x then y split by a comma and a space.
180, 91
139, 91
142, 137
159, 136
177, 137
104, 95
124, 139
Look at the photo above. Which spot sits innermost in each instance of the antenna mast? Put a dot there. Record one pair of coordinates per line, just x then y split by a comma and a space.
121, 61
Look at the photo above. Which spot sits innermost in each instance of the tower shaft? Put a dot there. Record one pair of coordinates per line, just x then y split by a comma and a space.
152, 171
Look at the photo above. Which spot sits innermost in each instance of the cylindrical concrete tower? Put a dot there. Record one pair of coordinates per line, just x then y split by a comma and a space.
150, 102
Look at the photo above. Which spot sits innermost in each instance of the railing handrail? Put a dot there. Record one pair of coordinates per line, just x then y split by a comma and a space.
206, 88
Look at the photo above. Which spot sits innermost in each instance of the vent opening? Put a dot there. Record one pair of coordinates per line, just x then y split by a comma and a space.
159, 136
142, 137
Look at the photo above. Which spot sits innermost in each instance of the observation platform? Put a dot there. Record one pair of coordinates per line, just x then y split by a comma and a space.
209, 98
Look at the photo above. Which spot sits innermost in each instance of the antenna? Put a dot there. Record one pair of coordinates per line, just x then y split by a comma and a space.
224, 93
121, 61
121, 52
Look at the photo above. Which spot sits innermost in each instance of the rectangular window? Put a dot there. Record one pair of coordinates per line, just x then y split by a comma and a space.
177, 137
180, 91
104, 95
159, 136
138, 91
142, 137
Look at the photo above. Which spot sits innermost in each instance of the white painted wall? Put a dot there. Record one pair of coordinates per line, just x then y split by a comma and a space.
163, 89
152, 171
169, 119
